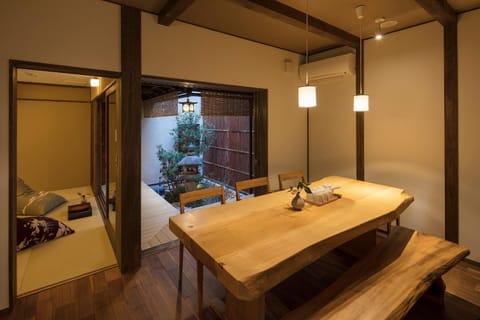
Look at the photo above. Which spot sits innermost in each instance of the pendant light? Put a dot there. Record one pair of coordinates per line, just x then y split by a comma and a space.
307, 95
360, 101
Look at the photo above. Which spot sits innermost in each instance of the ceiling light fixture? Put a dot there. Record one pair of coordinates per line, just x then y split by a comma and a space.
307, 95
379, 33
360, 101
188, 106
94, 83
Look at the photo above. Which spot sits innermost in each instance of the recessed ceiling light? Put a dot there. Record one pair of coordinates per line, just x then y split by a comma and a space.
378, 32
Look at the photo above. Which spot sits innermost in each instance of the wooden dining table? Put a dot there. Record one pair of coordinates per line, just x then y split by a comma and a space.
252, 245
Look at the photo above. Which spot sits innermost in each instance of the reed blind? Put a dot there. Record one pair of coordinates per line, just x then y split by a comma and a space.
226, 104
162, 106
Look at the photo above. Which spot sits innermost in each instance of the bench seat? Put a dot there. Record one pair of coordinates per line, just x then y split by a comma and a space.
387, 282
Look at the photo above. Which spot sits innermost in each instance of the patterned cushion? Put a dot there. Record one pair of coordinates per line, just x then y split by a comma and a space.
35, 230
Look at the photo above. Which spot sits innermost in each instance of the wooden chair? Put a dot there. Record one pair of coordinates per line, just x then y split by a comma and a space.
389, 227
283, 177
251, 183
186, 198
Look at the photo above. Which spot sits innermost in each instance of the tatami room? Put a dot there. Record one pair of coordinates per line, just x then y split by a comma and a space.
54, 156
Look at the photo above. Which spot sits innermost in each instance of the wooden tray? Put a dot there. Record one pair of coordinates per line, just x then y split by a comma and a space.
336, 195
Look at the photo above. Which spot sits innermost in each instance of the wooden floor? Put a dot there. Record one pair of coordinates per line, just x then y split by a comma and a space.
151, 293
155, 214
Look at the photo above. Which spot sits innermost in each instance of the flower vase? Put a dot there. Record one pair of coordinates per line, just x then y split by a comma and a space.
298, 202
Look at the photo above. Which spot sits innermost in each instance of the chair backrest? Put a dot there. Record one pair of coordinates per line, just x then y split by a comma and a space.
191, 196
283, 177
251, 183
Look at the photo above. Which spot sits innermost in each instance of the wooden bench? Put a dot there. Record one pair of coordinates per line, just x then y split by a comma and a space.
387, 282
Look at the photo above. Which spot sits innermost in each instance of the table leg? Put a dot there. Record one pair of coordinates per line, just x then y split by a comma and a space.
436, 292
236, 309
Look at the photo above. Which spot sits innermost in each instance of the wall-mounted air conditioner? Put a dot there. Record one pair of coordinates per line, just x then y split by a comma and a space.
338, 66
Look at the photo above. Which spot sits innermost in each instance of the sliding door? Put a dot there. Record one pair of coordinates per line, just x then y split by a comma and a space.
106, 160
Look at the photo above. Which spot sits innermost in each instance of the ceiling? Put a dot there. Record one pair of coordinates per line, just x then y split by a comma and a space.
280, 24
257, 21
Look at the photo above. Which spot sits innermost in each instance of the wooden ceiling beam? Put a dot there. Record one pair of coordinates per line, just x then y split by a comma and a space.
171, 10
292, 16
440, 10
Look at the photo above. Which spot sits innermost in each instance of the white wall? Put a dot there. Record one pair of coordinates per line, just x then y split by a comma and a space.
404, 128
155, 131
218, 58
81, 33
469, 130
332, 129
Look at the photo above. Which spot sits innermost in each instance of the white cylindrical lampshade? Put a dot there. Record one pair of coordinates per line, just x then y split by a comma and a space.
307, 97
360, 103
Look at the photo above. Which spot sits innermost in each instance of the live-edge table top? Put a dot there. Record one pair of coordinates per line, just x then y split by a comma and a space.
253, 244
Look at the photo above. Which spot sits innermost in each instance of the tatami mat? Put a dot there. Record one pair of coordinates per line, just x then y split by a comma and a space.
86, 251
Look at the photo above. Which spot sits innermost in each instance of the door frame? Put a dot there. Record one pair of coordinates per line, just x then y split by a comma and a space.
259, 114
97, 156
12, 159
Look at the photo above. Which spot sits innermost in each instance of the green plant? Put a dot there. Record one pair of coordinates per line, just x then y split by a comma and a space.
303, 185
169, 168
174, 195
190, 133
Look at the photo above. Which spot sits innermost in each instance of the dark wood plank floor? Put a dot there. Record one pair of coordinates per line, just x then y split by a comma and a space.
151, 293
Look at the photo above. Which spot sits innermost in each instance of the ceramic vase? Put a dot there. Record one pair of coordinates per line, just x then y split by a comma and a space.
298, 202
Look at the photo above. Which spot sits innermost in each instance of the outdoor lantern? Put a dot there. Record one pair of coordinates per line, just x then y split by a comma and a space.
188, 106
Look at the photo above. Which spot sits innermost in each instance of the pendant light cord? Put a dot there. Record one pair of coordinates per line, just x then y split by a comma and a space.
361, 57
306, 40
